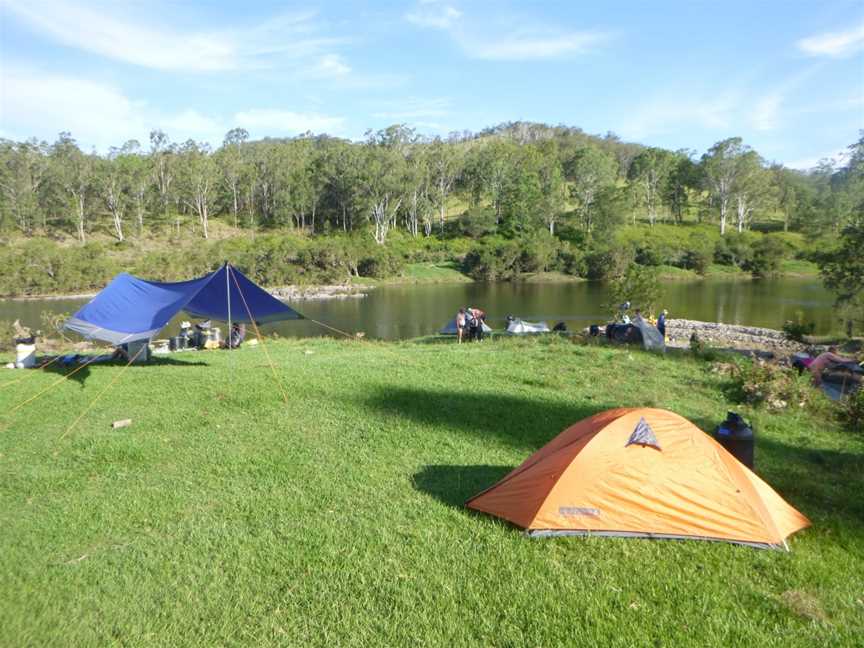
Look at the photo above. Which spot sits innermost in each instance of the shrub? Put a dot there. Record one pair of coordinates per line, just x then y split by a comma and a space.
7, 336
760, 383
608, 262
734, 249
381, 264
768, 252
496, 260
796, 329
478, 222
851, 412
640, 286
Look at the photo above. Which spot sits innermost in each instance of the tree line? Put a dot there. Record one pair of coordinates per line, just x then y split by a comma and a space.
510, 180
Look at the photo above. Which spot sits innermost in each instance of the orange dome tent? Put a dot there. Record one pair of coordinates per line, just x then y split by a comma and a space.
640, 473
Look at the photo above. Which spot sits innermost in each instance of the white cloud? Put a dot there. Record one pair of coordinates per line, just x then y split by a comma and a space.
43, 105
503, 41
330, 65
766, 113
434, 15
133, 40
285, 122
99, 115
666, 114
838, 44
838, 158
520, 47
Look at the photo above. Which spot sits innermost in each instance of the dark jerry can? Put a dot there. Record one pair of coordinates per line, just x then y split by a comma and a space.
737, 437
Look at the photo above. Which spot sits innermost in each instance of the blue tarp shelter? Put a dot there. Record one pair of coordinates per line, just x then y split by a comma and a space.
130, 309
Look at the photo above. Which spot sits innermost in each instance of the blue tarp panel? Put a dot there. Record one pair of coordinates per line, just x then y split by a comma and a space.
130, 308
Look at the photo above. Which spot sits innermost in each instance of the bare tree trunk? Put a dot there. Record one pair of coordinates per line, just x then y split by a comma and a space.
80, 206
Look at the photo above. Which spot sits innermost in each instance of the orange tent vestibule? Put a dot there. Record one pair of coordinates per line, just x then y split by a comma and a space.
640, 473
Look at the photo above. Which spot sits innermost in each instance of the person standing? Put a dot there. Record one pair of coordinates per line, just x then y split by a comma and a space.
661, 322
461, 319
477, 320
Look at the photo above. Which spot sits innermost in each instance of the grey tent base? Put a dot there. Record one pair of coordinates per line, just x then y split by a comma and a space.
551, 533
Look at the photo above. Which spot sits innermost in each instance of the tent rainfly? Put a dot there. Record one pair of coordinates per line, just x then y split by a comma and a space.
130, 309
640, 472
450, 328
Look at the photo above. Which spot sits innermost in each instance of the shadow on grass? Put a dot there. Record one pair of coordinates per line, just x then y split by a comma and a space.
822, 483
83, 374
452, 485
520, 422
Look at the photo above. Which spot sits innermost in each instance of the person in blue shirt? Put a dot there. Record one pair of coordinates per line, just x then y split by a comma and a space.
661, 322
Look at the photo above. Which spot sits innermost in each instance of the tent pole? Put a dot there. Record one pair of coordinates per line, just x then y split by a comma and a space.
228, 293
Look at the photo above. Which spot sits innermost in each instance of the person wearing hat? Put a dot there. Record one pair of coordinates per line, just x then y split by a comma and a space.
661, 322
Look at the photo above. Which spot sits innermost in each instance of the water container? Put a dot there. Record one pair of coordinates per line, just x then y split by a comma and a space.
736, 436
25, 356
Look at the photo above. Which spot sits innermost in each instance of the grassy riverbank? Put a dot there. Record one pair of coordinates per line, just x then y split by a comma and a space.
225, 516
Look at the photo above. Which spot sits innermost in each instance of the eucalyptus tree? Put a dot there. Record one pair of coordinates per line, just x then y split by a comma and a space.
553, 188
752, 189
445, 162
198, 180
163, 155
522, 195
682, 179
419, 181
590, 172
23, 169
383, 176
648, 174
231, 159
490, 168
341, 166
111, 185
722, 166
74, 172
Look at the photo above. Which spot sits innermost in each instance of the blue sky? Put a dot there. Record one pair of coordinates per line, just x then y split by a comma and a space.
786, 76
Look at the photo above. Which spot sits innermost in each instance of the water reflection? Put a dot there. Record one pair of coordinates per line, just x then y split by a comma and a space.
399, 312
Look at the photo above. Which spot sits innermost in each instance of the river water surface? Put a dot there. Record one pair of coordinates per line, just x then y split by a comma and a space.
400, 312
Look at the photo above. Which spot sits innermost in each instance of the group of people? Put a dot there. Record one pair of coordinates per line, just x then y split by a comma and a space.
625, 318
471, 320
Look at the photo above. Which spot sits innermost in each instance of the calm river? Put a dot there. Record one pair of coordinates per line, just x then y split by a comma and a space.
399, 312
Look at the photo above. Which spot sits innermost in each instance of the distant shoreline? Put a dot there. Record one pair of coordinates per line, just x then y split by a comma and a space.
320, 292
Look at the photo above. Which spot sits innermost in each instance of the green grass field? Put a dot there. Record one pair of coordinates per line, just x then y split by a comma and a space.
224, 516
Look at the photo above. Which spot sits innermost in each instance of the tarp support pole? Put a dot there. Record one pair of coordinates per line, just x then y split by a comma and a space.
228, 298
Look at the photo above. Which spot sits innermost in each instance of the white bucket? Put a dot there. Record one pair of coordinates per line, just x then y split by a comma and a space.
25, 356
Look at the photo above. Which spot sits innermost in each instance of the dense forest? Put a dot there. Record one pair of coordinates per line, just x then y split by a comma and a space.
519, 197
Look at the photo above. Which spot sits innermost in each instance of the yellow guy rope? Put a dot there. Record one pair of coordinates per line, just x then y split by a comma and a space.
33, 371
56, 382
260, 338
332, 328
100, 394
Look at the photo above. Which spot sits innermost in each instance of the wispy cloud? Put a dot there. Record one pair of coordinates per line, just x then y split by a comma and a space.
132, 39
503, 41
531, 46
101, 116
767, 113
434, 14
839, 44
675, 111
837, 158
